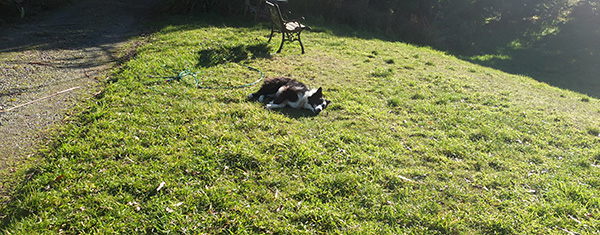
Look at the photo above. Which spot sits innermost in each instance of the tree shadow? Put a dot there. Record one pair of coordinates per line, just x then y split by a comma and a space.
228, 53
577, 73
568, 59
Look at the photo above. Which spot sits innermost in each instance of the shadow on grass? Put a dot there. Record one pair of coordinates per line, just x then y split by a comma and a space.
568, 59
572, 72
296, 113
227, 54
287, 111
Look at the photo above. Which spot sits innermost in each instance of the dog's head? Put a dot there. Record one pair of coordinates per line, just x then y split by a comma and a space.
317, 102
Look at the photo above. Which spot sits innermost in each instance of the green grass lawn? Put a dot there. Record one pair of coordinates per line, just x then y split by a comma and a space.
415, 141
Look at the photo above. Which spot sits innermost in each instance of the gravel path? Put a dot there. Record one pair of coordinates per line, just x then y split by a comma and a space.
69, 51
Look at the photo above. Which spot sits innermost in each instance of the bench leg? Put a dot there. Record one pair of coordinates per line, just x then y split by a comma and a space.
272, 30
300, 41
282, 41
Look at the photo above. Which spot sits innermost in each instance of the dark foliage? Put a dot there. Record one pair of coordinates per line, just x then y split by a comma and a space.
13, 10
213, 6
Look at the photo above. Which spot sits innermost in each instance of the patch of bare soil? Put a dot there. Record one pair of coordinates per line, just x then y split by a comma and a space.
50, 64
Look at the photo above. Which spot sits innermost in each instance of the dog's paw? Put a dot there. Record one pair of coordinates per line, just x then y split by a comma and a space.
261, 98
270, 106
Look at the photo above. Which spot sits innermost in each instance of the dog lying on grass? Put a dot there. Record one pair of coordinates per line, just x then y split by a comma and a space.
290, 92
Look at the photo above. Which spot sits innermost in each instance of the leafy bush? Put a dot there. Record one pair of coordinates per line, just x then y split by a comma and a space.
212, 6
10, 8
15, 9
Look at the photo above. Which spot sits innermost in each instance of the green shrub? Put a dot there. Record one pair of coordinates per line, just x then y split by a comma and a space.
204, 6
11, 10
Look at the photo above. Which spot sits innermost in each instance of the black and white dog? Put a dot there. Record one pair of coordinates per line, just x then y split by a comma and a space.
286, 91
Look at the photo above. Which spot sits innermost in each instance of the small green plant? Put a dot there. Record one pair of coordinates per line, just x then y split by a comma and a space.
395, 102
382, 73
418, 96
596, 157
595, 131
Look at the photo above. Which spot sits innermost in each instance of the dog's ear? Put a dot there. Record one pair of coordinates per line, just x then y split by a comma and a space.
319, 92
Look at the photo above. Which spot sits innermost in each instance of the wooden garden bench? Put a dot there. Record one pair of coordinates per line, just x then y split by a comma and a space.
290, 29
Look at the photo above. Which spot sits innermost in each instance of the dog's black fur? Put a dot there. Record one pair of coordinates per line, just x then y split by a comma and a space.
286, 91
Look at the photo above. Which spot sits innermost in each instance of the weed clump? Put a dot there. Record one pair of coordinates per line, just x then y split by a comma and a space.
395, 102
595, 131
417, 97
382, 73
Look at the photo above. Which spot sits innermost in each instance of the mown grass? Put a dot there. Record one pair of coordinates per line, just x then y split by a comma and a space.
415, 141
